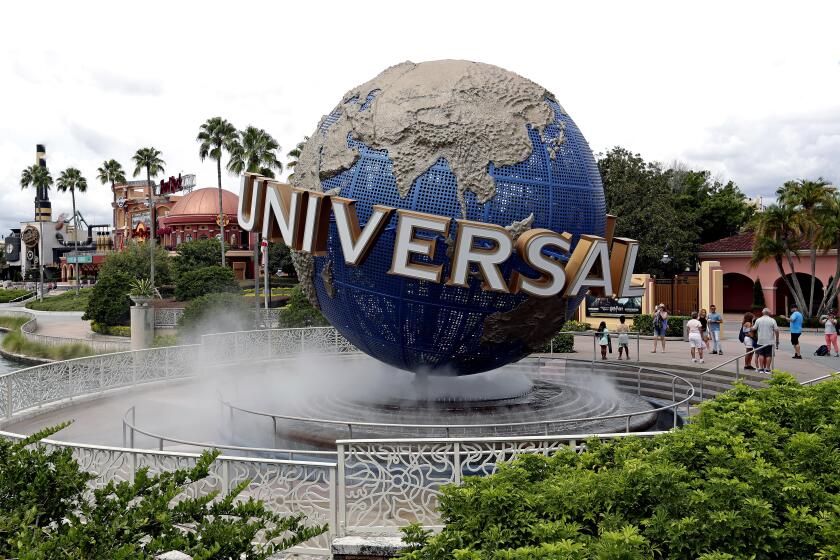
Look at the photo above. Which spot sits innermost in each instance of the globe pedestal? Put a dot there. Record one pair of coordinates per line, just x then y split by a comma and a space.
142, 326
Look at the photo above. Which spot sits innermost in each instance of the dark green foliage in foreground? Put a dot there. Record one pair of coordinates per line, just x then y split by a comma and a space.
109, 303
215, 313
193, 255
45, 513
300, 313
756, 475
207, 280
644, 324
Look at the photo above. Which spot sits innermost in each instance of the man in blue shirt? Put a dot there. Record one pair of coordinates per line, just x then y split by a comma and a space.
715, 321
795, 321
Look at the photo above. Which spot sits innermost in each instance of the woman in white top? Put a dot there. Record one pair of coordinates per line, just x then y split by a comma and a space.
830, 322
749, 343
695, 337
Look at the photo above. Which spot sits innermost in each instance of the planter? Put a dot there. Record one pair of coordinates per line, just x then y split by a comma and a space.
141, 301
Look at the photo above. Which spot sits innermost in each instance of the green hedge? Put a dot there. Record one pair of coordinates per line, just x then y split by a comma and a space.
116, 330
755, 475
207, 280
564, 343
644, 324
109, 303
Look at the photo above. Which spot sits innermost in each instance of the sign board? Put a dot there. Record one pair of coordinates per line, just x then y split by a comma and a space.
177, 184
139, 218
609, 307
79, 259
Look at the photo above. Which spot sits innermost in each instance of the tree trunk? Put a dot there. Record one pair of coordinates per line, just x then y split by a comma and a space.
221, 212
830, 294
75, 238
798, 295
152, 227
813, 276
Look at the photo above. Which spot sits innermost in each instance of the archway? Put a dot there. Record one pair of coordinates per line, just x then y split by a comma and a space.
737, 292
784, 299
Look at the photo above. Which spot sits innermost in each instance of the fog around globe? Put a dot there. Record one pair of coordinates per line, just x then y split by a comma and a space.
459, 139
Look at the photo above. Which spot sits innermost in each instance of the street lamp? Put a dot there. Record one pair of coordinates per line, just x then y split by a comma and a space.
666, 256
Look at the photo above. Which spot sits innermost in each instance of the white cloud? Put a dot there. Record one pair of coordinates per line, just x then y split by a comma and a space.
748, 89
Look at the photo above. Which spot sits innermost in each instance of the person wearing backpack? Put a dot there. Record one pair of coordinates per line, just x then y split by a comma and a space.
660, 325
830, 323
745, 336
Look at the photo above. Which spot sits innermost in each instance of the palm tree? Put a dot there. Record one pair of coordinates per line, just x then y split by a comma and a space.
828, 237
111, 172
149, 159
294, 155
71, 179
40, 178
215, 135
777, 234
807, 196
255, 152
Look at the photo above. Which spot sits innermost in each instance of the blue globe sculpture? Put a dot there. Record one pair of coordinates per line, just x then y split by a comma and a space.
458, 139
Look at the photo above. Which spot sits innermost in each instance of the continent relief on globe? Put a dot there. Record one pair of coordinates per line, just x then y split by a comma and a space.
501, 187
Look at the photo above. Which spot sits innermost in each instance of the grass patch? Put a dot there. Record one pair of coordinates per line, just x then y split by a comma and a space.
8, 295
67, 301
16, 343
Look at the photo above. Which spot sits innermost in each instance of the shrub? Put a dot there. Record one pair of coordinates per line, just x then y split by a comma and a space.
644, 324
115, 330
298, 312
165, 340
8, 295
109, 302
214, 313
755, 475
758, 295
48, 512
194, 255
16, 343
207, 280
134, 261
68, 301
563, 343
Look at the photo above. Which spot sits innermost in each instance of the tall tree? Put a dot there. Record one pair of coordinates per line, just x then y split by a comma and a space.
294, 155
149, 159
807, 197
778, 238
828, 238
71, 179
39, 178
255, 152
111, 172
215, 135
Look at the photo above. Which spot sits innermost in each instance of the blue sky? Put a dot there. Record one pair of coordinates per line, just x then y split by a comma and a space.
749, 90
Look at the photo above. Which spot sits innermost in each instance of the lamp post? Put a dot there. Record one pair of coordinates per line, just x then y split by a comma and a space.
666, 260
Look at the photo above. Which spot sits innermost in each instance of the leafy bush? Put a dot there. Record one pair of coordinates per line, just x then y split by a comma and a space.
298, 312
49, 513
162, 340
215, 313
644, 324
109, 303
68, 301
8, 295
758, 295
134, 261
114, 330
755, 475
207, 280
194, 255
563, 343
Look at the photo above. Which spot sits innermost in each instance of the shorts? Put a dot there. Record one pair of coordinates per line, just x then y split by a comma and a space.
695, 340
794, 338
660, 331
765, 351
623, 345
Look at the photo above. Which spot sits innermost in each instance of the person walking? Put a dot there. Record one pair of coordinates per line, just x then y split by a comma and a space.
796, 319
660, 325
704, 327
603, 339
745, 336
623, 338
830, 323
766, 330
715, 325
695, 337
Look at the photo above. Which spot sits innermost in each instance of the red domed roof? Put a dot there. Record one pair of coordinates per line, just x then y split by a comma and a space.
206, 201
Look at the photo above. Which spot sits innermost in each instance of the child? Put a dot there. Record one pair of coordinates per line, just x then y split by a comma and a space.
623, 338
604, 339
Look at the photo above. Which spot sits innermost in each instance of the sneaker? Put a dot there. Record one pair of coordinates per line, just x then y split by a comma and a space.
701, 360
797, 357
720, 353
713, 352
694, 360
749, 367
837, 354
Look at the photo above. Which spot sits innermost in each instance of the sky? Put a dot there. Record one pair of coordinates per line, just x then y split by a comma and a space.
747, 90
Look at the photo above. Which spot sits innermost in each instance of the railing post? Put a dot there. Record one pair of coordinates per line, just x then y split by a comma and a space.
226, 476
737, 369
9, 396
342, 491
639, 381
702, 393
638, 347
627, 428
675, 415
594, 348
551, 346
333, 518
456, 462
274, 434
